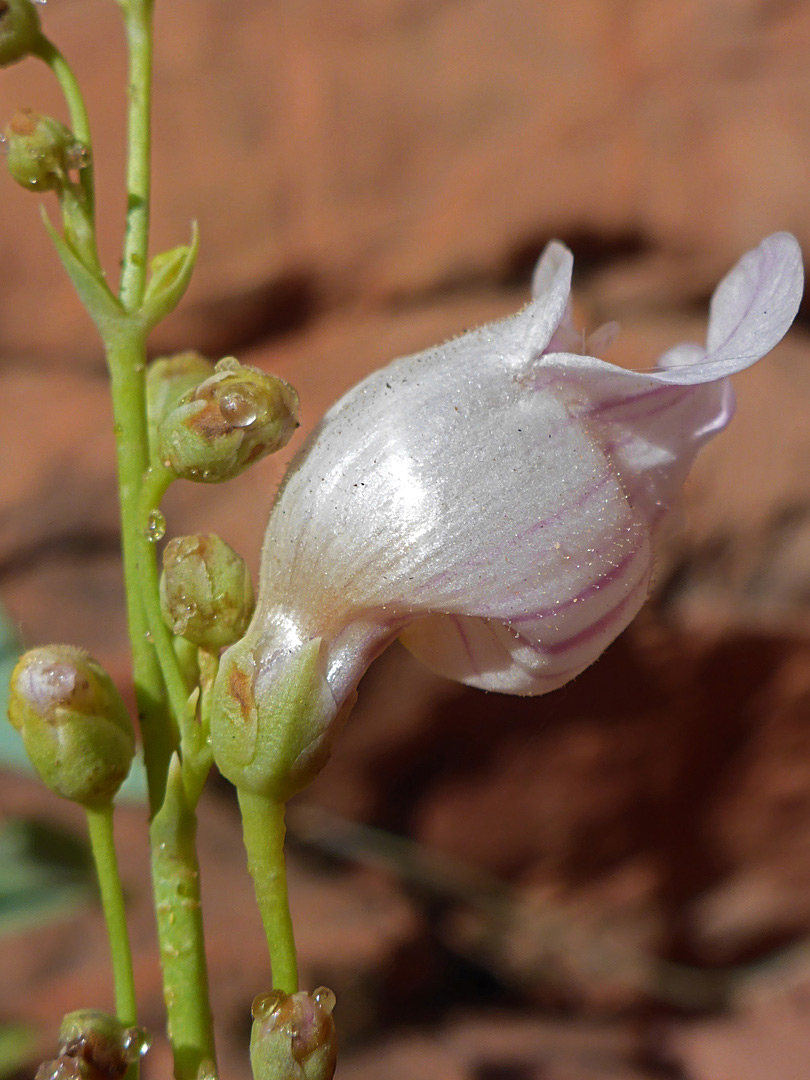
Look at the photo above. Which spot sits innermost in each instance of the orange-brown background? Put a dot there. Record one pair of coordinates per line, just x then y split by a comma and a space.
369, 177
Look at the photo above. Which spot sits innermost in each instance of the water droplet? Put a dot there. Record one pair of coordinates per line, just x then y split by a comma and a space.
56, 1069
155, 526
135, 1043
150, 637
325, 998
265, 1005
238, 409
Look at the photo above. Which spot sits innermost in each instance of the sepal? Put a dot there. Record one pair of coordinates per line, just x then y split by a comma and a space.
272, 719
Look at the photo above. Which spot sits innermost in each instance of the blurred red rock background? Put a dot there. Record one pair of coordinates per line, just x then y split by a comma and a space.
610, 883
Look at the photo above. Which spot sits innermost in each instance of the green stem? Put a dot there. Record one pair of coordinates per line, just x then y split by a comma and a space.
263, 831
80, 124
176, 880
155, 482
102, 842
126, 355
138, 21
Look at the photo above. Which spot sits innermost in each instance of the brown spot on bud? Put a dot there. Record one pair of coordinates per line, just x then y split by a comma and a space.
241, 690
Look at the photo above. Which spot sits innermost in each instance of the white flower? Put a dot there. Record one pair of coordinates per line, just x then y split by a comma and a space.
496, 501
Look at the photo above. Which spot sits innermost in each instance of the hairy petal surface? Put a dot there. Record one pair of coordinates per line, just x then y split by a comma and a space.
496, 500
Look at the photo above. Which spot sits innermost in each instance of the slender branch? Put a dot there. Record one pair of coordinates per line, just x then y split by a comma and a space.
126, 354
80, 124
138, 21
156, 481
263, 832
102, 843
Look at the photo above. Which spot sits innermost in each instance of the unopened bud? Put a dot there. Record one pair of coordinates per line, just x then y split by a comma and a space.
227, 422
41, 151
167, 379
75, 727
94, 1046
206, 594
293, 1036
19, 30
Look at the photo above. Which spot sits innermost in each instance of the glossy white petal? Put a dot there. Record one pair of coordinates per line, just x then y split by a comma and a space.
495, 502
750, 312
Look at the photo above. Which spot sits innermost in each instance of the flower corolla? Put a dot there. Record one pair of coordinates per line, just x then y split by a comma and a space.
495, 502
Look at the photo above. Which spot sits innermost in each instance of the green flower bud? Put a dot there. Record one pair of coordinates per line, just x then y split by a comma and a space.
293, 1036
94, 1046
167, 379
74, 725
41, 151
226, 423
206, 594
19, 30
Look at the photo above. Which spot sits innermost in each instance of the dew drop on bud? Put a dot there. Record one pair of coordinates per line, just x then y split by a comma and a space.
238, 409
155, 526
325, 998
265, 1005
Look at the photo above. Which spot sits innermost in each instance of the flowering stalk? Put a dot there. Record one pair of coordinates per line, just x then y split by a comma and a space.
138, 16
124, 322
176, 880
175, 868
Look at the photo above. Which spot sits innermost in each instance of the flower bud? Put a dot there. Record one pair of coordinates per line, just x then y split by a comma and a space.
74, 725
41, 151
293, 1036
167, 379
206, 594
227, 422
94, 1046
19, 30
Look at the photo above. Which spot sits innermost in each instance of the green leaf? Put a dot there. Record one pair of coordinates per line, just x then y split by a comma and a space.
170, 273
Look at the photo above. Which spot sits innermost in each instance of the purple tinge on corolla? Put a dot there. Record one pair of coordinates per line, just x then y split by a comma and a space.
496, 501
